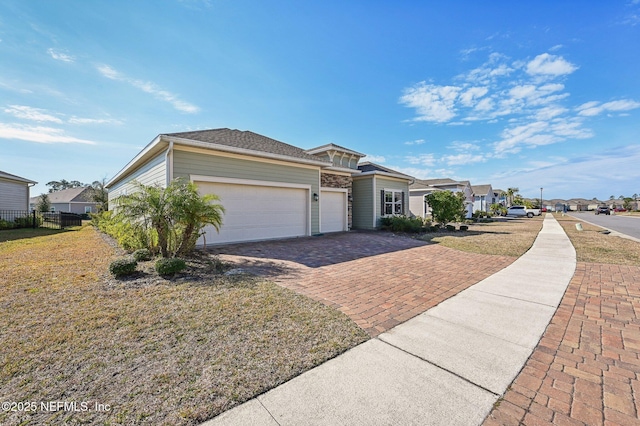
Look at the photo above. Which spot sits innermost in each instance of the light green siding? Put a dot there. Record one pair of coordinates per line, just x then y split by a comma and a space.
393, 184
363, 203
186, 164
151, 173
367, 199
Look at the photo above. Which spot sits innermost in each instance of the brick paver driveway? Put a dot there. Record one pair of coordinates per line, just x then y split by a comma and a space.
378, 279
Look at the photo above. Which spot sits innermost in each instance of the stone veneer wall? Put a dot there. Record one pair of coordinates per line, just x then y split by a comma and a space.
330, 180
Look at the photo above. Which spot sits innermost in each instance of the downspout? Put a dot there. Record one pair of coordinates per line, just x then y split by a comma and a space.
168, 161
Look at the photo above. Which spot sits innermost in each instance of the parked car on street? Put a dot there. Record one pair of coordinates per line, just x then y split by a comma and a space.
603, 210
522, 211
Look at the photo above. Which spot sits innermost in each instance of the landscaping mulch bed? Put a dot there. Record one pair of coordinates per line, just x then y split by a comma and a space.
146, 349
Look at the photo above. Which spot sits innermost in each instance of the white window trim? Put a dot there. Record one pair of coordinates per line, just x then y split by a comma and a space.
393, 192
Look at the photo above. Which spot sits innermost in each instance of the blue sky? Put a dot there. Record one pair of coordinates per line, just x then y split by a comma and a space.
516, 94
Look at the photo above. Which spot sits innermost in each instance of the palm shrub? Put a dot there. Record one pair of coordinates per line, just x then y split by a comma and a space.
172, 217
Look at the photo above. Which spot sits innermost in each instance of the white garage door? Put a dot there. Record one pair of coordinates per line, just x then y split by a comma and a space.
333, 209
257, 212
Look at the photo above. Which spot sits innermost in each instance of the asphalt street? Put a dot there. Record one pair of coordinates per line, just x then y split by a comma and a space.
629, 225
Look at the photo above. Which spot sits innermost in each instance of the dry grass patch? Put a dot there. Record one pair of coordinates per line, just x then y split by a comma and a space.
174, 352
593, 246
512, 237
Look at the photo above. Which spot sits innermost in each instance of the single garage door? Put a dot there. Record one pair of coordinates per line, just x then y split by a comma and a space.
257, 212
333, 211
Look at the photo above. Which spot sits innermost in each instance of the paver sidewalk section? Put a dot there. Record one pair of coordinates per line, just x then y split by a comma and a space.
448, 365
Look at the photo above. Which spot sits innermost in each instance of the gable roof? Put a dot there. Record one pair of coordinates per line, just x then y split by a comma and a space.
443, 182
72, 195
9, 176
481, 189
245, 140
334, 147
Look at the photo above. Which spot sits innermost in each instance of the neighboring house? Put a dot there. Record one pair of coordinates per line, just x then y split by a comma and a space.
378, 192
269, 189
419, 188
14, 192
579, 204
501, 196
73, 200
483, 197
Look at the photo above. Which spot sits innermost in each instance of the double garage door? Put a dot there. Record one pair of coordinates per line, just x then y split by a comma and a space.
257, 212
254, 212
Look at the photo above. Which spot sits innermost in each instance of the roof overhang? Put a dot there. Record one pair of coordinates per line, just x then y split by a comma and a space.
15, 178
250, 152
161, 142
385, 174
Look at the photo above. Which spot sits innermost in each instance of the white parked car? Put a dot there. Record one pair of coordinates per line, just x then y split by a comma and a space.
522, 211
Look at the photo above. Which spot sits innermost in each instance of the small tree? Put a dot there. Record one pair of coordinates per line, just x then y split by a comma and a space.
100, 195
44, 204
446, 206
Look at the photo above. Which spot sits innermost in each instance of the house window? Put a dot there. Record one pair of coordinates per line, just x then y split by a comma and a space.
393, 202
87, 209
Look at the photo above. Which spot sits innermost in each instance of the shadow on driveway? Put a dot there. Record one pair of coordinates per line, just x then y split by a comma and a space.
323, 250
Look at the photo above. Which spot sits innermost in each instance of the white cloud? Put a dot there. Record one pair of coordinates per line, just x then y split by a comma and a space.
29, 113
433, 103
416, 142
150, 88
463, 159
471, 95
528, 97
38, 134
463, 146
595, 108
422, 159
79, 120
551, 65
375, 158
59, 56
547, 113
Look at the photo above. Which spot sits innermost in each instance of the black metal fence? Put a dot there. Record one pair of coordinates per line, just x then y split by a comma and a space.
13, 219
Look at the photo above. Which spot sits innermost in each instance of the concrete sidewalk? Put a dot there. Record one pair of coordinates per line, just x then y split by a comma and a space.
448, 365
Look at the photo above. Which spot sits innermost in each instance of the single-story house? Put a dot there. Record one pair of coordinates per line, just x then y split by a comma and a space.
72, 200
269, 189
14, 192
420, 188
483, 197
378, 192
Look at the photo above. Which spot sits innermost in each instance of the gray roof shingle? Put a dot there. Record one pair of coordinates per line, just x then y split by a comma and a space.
246, 140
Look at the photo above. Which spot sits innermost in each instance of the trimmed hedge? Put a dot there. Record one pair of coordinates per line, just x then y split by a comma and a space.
142, 255
124, 266
170, 266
